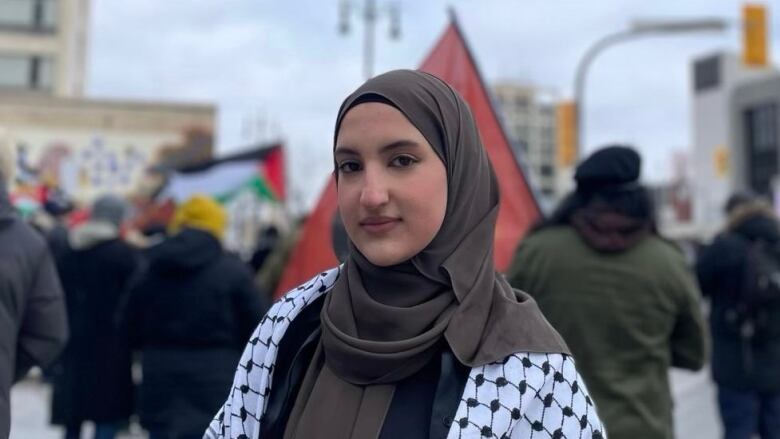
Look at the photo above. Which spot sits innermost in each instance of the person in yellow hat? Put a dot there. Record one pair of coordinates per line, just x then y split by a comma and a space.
190, 315
200, 212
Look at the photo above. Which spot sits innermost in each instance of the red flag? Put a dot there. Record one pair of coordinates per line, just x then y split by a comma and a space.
450, 60
314, 251
273, 171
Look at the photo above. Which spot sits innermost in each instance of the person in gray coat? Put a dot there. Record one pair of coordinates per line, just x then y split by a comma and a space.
33, 323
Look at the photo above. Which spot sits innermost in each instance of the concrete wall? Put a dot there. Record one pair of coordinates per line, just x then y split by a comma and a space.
715, 134
88, 147
66, 46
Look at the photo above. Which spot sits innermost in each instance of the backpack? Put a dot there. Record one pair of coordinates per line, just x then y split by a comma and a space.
761, 276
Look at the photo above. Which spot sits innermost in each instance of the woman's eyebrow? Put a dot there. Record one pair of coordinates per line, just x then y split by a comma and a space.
403, 143
345, 150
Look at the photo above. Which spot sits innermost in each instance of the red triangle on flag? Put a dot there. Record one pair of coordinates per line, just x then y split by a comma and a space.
314, 251
272, 168
452, 61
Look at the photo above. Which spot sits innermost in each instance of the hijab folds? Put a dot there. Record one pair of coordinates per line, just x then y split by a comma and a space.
381, 325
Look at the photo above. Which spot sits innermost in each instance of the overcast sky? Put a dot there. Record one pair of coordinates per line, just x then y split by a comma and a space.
284, 63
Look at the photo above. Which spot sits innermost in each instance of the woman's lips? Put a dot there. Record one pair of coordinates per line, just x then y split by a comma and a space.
379, 225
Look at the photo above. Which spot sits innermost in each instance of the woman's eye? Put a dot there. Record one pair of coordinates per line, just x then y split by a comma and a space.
403, 161
347, 167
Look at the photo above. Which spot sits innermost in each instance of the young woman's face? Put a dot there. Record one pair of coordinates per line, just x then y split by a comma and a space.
392, 187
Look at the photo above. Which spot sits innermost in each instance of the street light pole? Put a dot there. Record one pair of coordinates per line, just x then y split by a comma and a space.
369, 18
370, 15
638, 29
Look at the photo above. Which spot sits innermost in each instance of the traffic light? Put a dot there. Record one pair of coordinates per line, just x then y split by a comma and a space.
754, 36
566, 126
721, 161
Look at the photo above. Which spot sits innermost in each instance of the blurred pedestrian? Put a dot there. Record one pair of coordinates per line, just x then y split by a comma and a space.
622, 297
740, 273
267, 240
190, 316
33, 322
92, 380
270, 274
410, 338
51, 220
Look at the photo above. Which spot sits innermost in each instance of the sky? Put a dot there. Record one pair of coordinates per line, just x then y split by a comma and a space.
280, 69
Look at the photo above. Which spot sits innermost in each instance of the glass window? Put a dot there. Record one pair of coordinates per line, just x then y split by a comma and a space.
26, 72
29, 15
521, 103
762, 143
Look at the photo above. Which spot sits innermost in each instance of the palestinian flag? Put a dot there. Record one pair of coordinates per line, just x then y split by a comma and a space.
259, 169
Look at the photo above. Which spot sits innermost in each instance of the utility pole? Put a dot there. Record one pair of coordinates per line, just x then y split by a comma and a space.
369, 12
639, 28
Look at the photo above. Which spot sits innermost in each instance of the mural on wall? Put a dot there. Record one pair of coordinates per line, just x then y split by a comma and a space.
85, 165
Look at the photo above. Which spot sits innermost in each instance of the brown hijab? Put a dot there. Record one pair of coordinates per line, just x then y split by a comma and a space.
383, 324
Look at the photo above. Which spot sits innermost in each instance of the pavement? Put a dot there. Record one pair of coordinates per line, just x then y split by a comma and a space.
695, 410
30, 407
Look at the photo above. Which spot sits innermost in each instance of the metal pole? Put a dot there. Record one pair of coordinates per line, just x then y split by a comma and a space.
369, 15
638, 29
579, 80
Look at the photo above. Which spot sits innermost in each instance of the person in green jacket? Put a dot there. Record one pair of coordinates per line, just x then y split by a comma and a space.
623, 298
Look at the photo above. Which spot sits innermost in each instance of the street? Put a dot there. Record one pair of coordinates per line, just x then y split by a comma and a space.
695, 410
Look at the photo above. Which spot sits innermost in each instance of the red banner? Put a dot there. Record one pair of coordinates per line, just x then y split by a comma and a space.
452, 61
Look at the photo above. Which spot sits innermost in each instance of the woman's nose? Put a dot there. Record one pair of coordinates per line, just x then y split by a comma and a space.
374, 193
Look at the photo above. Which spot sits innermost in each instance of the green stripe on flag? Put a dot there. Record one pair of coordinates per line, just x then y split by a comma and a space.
256, 184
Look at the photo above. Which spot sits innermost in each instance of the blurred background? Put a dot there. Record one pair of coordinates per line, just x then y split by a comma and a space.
159, 100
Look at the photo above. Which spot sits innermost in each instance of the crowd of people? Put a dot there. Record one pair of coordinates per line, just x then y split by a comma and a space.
415, 334
88, 306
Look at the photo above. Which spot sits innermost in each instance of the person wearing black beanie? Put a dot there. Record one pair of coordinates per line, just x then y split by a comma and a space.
622, 297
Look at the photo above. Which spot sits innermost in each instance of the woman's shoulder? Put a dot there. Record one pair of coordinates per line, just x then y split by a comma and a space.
251, 384
295, 300
278, 318
531, 392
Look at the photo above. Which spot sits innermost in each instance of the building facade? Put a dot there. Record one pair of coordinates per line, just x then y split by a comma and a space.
65, 140
736, 128
43, 46
87, 147
529, 118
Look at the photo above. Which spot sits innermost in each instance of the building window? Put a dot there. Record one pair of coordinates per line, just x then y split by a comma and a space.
546, 170
28, 15
26, 72
762, 141
521, 103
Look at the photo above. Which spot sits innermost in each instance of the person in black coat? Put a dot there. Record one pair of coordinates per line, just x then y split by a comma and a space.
736, 272
33, 321
92, 380
190, 317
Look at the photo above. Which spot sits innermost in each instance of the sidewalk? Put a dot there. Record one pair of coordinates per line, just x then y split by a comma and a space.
30, 414
695, 411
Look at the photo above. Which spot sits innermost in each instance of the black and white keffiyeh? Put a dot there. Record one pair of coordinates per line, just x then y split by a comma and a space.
527, 395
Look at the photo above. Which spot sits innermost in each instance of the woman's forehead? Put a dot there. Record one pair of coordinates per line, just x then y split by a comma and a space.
381, 123
375, 120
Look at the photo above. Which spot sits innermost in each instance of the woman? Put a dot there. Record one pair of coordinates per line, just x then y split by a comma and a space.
415, 336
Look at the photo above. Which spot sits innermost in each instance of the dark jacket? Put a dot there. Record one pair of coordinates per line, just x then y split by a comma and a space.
628, 316
742, 361
190, 316
422, 406
33, 323
92, 379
